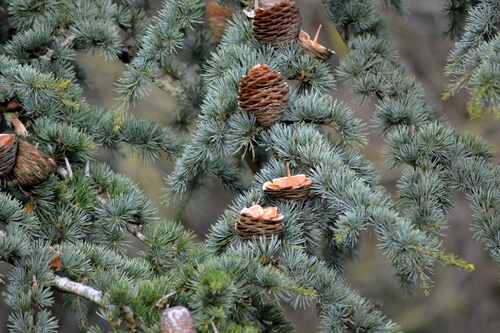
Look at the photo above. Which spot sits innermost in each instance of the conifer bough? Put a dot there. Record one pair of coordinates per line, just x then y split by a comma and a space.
260, 93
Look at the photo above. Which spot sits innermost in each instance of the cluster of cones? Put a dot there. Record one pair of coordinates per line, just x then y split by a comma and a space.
263, 91
278, 23
257, 221
20, 160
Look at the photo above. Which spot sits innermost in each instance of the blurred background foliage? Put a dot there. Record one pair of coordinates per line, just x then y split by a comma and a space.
460, 302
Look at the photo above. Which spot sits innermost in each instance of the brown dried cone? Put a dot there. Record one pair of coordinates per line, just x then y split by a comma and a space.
8, 152
217, 16
10, 106
312, 46
256, 221
31, 166
296, 187
177, 319
263, 92
276, 22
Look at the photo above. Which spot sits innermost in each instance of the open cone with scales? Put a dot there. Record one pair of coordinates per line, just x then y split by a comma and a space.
11, 105
276, 22
256, 221
264, 93
297, 187
313, 47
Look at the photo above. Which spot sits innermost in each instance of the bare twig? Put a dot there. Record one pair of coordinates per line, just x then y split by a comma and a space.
68, 167
135, 230
87, 169
214, 327
162, 303
62, 172
66, 285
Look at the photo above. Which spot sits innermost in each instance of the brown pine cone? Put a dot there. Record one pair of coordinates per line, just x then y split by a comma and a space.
10, 106
8, 152
177, 319
277, 22
256, 221
217, 16
263, 92
32, 167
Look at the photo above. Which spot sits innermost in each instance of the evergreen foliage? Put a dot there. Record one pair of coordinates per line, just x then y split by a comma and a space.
67, 234
474, 63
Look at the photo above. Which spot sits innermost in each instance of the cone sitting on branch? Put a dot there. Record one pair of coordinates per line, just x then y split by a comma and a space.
256, 221
290, 187
8, 152
313, 47
177, 319
32, 167
276, 22
263, 92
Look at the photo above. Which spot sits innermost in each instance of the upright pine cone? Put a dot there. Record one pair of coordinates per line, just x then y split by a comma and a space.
256, 221
177, 319
31, 166
277, 22
8, 151
263, 92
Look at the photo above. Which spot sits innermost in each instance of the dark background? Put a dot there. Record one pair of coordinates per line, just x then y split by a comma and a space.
460, 302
